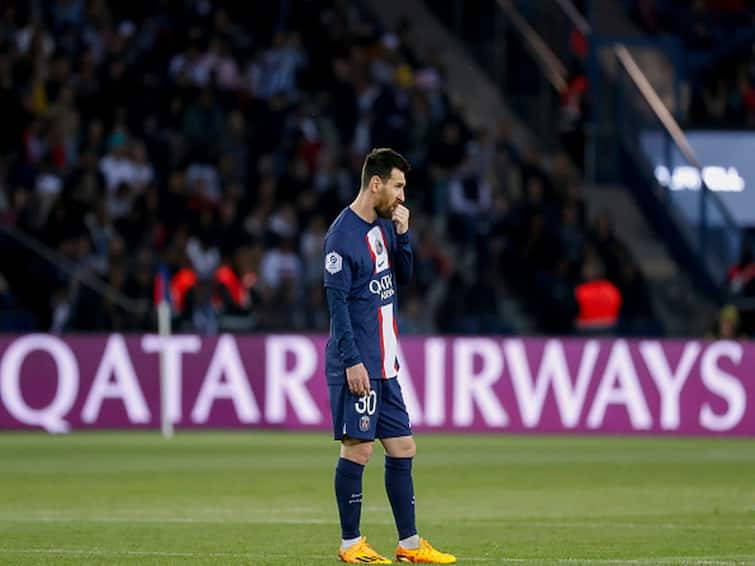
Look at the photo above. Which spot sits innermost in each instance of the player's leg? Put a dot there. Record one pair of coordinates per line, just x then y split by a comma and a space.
394, 432
357, 439
355, 454
399, 486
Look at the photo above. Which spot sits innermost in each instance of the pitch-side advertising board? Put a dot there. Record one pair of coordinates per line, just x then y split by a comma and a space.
456, 384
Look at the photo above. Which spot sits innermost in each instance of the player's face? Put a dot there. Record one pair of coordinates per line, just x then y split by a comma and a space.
390, 194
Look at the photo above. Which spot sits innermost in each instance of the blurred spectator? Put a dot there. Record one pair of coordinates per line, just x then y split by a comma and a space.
200, 313
11, 316
741, 277
280, 266
741, 287
636, 305
612, 252
727, 325
599, 301
469, 203
573, 115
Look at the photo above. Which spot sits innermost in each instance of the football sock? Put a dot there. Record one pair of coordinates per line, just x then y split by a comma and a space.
410, 543
347, 544
400, 490
348, 485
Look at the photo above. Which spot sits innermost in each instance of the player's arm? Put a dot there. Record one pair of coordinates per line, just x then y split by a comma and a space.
403, 259
337, 281
356, 374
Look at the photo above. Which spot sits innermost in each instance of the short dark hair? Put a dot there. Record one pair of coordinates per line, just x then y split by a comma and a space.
381, 161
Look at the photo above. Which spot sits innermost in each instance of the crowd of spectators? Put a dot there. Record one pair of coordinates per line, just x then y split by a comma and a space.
717, 40
220, 140
701, 24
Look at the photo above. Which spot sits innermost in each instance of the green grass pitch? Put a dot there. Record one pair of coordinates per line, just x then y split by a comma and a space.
266, 498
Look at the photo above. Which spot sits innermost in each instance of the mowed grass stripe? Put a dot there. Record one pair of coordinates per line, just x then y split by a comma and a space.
283, 556
61, 518
262, 498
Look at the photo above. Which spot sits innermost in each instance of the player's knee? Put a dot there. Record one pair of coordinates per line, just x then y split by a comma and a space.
403, 448
409, 449
362, 452
356, 451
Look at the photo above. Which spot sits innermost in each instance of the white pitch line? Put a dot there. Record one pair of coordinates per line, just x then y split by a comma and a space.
158, 553
602, 525
696, 560
181, 520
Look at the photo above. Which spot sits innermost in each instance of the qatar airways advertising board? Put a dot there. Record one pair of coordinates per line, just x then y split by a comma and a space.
461, 384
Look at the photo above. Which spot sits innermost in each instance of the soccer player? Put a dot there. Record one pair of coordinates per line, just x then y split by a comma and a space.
367, 251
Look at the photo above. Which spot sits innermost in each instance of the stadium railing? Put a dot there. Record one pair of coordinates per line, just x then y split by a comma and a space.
501, 41
707, 241
629, 116
651, 143
73, 272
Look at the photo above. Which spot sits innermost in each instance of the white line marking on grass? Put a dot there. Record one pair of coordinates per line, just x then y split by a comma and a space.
686, 560
160, 553
180, 520
608, 523
691, 560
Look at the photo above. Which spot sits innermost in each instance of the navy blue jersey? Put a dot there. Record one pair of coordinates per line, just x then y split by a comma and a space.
364, 261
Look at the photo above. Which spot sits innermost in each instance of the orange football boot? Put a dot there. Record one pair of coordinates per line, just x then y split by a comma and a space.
425, 554
361, 553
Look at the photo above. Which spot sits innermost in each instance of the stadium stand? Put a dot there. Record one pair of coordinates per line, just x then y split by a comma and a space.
718, 71
139, 135
705, 83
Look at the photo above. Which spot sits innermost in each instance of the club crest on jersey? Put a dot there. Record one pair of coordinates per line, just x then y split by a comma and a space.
376, 245
333, 263
364, 423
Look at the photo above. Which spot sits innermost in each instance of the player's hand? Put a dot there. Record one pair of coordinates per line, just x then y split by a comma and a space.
358, 380
401, 219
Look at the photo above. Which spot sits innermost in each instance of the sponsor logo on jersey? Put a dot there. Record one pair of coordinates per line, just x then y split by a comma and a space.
383, 287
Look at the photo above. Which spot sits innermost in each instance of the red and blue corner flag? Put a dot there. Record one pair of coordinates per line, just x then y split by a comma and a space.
162, 286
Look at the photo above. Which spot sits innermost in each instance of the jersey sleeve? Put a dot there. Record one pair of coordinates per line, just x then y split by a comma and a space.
403, 257
338, 263
341, 328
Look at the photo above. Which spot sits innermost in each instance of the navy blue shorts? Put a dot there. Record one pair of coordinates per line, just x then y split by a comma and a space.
381, 414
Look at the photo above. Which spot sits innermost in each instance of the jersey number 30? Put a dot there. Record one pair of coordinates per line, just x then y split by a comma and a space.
366, 404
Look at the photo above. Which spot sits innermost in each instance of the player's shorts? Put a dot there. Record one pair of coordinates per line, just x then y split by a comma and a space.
381, 414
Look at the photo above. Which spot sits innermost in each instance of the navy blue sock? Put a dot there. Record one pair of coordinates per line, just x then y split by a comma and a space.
400, 489
349, 496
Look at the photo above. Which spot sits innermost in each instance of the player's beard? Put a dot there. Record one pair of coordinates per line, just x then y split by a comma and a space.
384, 212
385, 209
